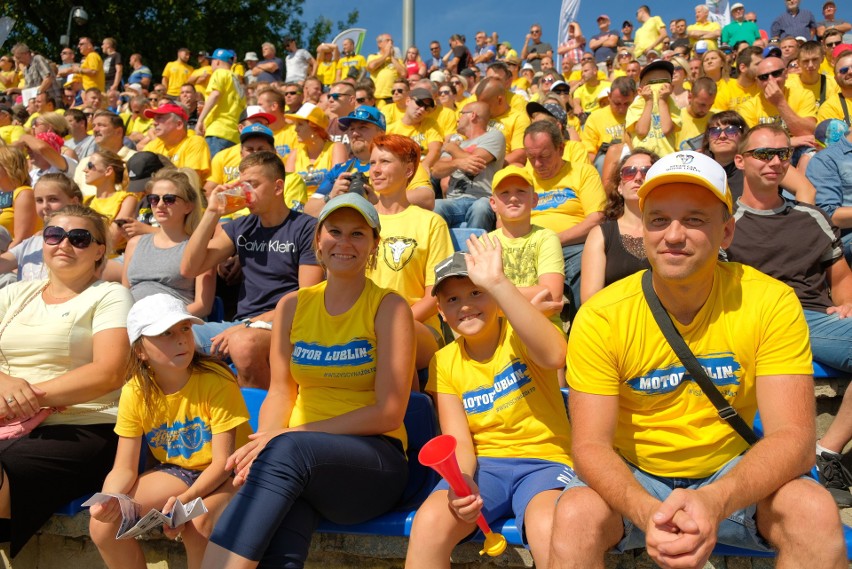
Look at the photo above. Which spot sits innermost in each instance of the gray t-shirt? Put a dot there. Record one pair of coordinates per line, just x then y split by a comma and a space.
462, 184
30, 259
154, 270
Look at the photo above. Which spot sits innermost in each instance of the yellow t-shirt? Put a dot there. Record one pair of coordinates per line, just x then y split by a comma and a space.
384, 77
574, 152
446, 119
176, 73
794, 82
601, 127
692, 130
707, 26
423, 134
285, 140
11, 133
312, 172
7, 208
758, 110
80, 173
392, 113
514, 408
655, 140
733, 96
413, 242
566, 199
751, 325
334, 357
191, 152
517, 103
139, 124
326, 70
93, 61
345, 63
831, 109
588, 95
222, 119
647, 34
110, 205
201, 86
180, 428
512, 125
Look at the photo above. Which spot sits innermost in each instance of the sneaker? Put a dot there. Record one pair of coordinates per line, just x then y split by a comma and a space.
836, 479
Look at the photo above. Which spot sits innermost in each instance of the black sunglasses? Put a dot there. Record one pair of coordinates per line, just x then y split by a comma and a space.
424, 104
290, 93
79, 238
442, 92
336, 96
767, 154
730, 131
168, 199
630, 172
397, 91
843, 70
765, 76
832, 44
361, 100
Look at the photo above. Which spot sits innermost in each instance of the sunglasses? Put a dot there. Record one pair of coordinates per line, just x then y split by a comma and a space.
336, 96
730, 131
424, 104
630, 172
397, 91
623, 55
754, 21
168, 199
444, 92
767, 154
548, 80
455, 82
79, 238
844, 70
765, 76
833, 44
361, 100
290, 93
91, 166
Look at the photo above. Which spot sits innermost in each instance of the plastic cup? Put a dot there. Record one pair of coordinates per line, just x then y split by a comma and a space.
236, 198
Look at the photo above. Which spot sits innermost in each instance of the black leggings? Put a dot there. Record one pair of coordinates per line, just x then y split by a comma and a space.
302, 477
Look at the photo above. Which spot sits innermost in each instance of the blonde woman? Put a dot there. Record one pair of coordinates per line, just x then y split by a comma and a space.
105, 171
17, 204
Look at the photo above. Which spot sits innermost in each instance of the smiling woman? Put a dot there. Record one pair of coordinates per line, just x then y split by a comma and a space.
66, 336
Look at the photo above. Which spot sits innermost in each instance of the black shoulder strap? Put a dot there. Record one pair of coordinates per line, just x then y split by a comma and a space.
689, 361
845, 109
823, 81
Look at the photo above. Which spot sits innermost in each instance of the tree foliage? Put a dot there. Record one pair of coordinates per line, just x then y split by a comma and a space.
158, 28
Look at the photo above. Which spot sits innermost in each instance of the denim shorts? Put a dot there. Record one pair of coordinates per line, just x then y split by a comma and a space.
737, 530
186, 475
508, 484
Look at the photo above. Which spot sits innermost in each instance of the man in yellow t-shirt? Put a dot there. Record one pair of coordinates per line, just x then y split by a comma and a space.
492, 91
646, 425
176, 73
350, 63
92, 67
225, 101
795, 109
385, 68
745, 86
650, 34
586, 95
703, 28
201, 76
822, 87
173, 141
696, 115
571, 198
605, 126
833, 108
418, 127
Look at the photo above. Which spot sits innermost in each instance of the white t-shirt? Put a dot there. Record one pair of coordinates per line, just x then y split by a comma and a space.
297, 65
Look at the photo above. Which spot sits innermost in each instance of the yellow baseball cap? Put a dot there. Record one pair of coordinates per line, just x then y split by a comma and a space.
511, 172
311, 113
689, 168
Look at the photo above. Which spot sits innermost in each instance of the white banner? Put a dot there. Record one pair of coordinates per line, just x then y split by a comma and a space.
568, 13
6, 24
720, 11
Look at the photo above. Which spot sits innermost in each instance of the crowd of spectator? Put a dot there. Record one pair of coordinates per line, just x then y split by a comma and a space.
220, 179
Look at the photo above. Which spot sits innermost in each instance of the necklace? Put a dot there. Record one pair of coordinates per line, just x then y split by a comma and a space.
62, 298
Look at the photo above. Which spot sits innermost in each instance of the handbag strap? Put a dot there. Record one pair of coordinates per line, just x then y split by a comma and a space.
845, 109
692, 365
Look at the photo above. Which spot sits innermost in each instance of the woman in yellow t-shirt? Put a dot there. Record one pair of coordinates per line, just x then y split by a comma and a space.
314, 154
9, 76
327, 56
17, 204
414, 240
330, 431
105, 171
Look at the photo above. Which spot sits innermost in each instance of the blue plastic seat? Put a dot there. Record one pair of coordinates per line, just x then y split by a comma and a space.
254, 398
459, 236
217, 312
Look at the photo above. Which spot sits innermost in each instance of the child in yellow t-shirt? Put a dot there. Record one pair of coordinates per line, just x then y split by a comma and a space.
188, 409
497, 394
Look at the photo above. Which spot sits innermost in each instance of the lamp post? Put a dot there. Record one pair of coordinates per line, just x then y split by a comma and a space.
78, 15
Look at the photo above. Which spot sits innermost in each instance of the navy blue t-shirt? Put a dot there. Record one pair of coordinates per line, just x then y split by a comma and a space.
270, 258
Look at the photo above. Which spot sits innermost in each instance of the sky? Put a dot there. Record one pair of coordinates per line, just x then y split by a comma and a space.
438, 19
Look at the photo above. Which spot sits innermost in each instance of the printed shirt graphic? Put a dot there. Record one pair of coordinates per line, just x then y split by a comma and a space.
514, 408
413, 242
181, 429
750, 326
334, 357
567, 198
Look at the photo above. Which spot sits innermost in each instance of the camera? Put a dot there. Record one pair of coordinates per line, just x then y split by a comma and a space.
357, 181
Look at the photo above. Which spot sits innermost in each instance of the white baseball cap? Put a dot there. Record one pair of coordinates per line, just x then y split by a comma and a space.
689, 168
153, 315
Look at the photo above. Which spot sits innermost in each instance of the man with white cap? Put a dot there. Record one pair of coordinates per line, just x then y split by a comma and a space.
739, 29
657, 466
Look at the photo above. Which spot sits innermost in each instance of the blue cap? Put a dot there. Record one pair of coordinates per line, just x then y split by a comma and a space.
364, 113
257, 129
830, 131
225, 55
772, 51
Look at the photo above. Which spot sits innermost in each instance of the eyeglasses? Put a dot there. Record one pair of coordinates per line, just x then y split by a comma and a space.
445, 92
153, 99
548, 80
561, 92
90, 166
360, 100
754, 21
397, 91
623, 55
792, 65
168, 199
336, 96
79, 238
765, 76
833, 44
767, 154
535, 31
630, 172
290, 93
730, 131
424, 104
363, 115
844, 70
455, 82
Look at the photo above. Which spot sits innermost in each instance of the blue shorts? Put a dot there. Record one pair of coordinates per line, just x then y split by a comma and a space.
186, 475
737, 530
508, 484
